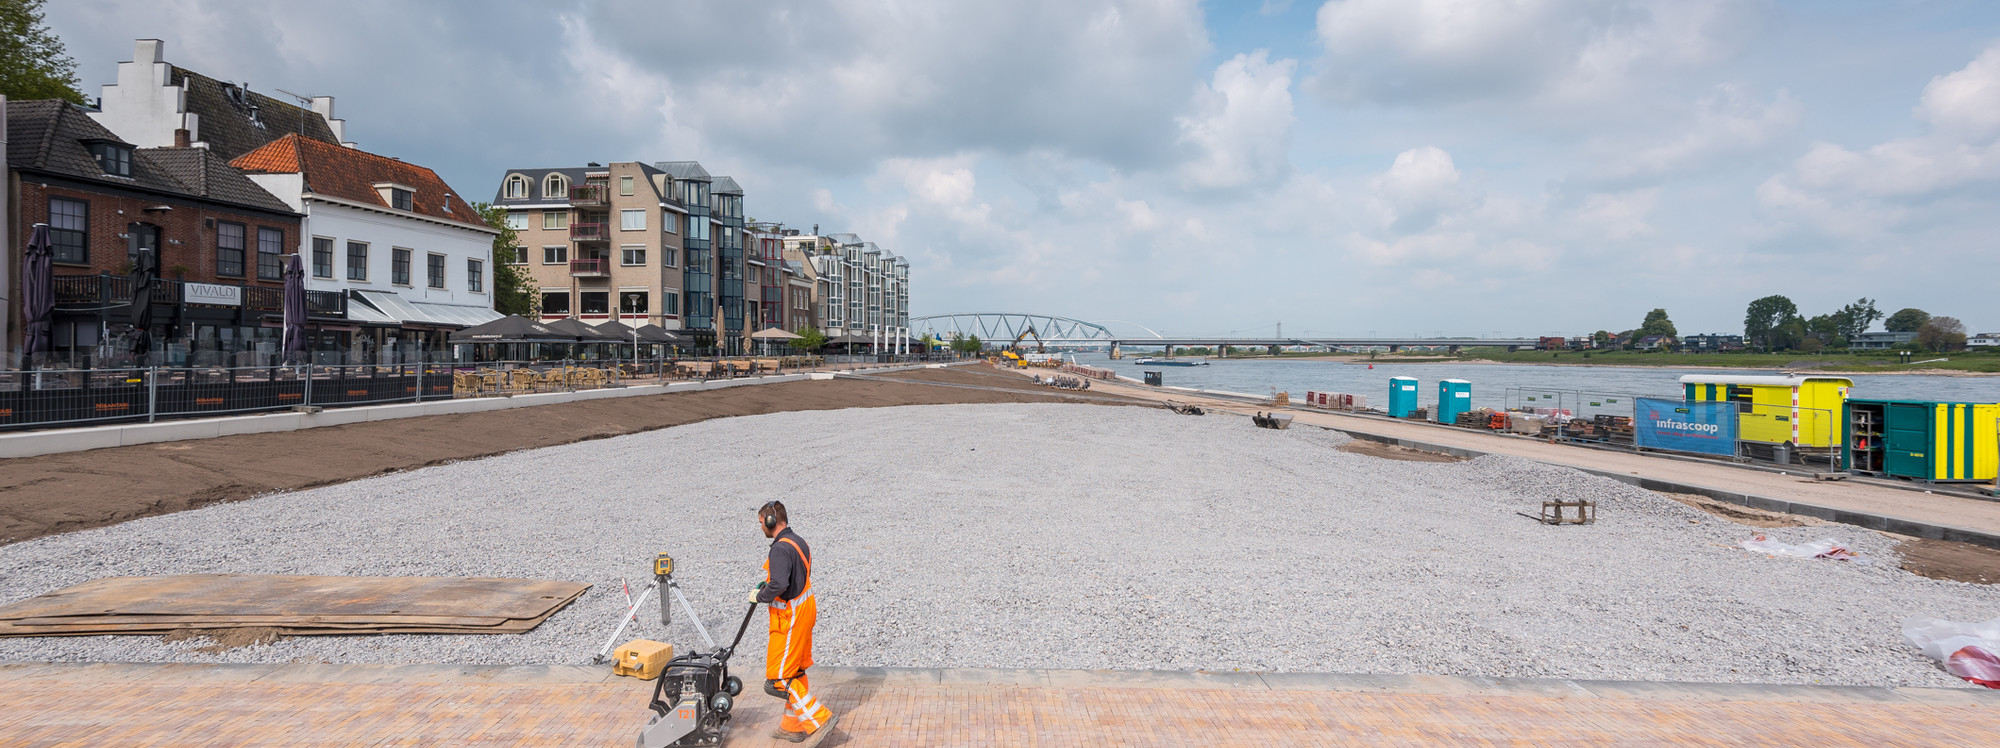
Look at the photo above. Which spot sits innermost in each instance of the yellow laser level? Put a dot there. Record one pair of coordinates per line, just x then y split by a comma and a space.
663, 565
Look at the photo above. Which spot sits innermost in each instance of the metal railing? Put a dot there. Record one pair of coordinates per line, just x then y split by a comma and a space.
588, 232
591, 266
105, 289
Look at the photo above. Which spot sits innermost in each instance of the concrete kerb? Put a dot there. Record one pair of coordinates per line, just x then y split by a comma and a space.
56, 441
1124, 680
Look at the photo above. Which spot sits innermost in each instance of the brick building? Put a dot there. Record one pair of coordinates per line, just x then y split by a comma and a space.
219, 240
602, 242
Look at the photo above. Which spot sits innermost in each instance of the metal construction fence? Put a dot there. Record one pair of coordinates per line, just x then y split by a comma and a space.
1807, 438
45, 398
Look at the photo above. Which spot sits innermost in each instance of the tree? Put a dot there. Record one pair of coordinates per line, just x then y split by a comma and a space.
1942, 334
810, 338
1811, 345
1824, 330
1765, 315
930, 343
1855, 318
1656, 324
1600, 338
512, 288
33, 64
1906, 320
1787, 336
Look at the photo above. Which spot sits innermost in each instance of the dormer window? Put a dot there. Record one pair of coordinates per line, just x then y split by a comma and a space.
517, 187
398, 196
113, 157
555, 187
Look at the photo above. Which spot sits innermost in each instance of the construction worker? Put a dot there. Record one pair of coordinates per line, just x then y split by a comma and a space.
787, 589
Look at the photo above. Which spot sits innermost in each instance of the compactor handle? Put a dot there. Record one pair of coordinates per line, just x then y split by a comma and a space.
724, 656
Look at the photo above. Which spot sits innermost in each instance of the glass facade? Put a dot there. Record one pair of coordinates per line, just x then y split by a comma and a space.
697, 270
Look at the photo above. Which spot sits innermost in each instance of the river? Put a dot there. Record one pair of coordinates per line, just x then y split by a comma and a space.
1491, 382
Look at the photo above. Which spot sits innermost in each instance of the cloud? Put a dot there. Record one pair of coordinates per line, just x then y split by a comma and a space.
1448, 51
837, 84
1418, 189
1723, 126
1242, 125
1954, 168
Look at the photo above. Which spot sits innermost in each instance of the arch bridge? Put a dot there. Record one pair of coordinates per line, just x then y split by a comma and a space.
1005, 326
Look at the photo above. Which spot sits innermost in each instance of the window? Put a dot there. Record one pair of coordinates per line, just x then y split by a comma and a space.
69, 229
434, 270
1745, 403
399, 266
322, 257
270, 253
624, 185
399, 198
229, 249
669, 222
517, 187
555, 254
555, 303
555, 186
670, 303
357, 261
114, 158
555, 219
633, 255
632, 220
595, 302
518, 255
669, 257
517, 221
475, 276
632, 302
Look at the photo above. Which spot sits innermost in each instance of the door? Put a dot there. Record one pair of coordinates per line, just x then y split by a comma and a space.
1906, 440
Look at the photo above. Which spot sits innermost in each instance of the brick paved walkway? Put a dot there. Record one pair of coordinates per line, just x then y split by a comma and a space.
281, 705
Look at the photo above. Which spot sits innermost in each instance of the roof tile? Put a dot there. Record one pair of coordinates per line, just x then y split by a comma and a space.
351, 174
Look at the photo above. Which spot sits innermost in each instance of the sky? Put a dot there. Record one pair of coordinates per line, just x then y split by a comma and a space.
1352, 167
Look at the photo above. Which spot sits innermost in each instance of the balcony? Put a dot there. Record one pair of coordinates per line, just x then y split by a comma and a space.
595, 268
590, 195
95, 292
589, 232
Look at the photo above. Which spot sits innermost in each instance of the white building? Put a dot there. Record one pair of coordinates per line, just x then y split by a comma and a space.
864, 289
414, 259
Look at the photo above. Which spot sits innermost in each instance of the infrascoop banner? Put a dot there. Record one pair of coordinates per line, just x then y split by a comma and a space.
1681, 426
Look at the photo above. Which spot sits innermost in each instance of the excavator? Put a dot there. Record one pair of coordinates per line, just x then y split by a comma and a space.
1013, 354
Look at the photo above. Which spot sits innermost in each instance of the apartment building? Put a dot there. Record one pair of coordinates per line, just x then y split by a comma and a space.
863, 289
608, 242
785, 287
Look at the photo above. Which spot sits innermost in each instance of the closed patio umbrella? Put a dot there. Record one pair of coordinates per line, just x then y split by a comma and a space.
295, 309
38, 295
144, 275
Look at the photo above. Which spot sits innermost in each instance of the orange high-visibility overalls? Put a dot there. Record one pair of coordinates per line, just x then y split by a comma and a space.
790, 651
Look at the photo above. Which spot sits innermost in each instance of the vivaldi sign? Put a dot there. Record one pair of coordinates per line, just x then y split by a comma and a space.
211, 293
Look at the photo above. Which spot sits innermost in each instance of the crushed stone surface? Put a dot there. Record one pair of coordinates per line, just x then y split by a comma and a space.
1057, 536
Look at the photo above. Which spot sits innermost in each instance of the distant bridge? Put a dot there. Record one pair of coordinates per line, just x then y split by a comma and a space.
1002, 327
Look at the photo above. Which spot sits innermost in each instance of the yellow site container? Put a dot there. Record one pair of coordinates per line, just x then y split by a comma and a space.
1805, 411
642, 659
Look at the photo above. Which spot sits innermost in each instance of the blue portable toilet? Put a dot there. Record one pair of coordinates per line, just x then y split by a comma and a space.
1454, 397
1402, 396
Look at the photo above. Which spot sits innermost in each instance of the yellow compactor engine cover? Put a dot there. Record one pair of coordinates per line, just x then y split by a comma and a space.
642, 659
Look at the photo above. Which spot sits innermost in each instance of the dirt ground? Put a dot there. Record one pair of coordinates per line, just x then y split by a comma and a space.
1959, 562
1395, 452
58, 493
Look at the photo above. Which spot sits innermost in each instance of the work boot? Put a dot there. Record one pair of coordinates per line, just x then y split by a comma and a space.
790, 736
823, 731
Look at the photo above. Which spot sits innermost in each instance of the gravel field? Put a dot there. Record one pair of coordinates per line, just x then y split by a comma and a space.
1060, 536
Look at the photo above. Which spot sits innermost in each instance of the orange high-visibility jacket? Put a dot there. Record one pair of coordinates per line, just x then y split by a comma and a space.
790, 649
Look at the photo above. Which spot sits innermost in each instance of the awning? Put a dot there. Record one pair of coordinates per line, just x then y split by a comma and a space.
773, 333
386, 307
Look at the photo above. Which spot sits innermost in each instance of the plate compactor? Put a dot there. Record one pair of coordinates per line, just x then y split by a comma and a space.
694, 693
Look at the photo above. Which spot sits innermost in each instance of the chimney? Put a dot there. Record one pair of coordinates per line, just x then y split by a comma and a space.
181, 138
149, 50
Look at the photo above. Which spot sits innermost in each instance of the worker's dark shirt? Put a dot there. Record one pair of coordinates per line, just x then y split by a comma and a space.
788, 571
